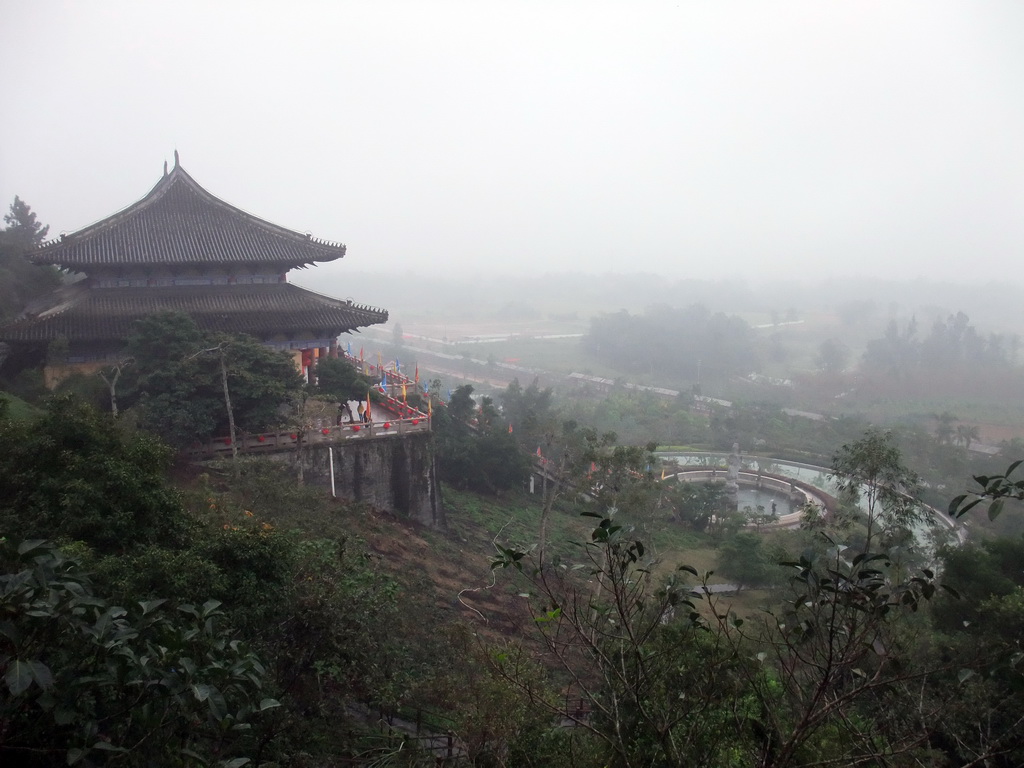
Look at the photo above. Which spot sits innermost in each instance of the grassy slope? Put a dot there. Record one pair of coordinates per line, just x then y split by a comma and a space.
18, 408
452, 569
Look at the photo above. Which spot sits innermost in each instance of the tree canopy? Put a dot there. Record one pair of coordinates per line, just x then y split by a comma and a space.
71, 474
175, 380
21, 281
474, 450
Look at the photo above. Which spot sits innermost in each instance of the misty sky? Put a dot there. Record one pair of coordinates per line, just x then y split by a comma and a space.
800, 139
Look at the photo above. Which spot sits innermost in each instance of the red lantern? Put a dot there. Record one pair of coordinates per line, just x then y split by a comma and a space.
294, 436
227, 441
325, 431
356, 427
387, 425
262, 439
415, 422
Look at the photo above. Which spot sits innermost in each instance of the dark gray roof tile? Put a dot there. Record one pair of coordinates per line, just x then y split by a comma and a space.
180, 223
107, 314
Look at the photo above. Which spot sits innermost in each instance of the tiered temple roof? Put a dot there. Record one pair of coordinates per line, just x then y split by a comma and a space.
177, 224
106, 314
181, 249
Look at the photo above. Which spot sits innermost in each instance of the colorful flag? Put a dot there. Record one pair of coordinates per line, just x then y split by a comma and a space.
350, 349
538, 450
360, 354
369, 416
380, 361
510, 427
403, 392
417, 373
398, 365
384, 379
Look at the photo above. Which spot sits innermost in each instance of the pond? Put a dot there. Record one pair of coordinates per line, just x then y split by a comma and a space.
808, 473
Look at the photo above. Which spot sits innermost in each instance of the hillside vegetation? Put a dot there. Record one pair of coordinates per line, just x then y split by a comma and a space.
227, 615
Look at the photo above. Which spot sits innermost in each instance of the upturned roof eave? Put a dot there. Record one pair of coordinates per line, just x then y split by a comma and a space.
49, 252
324, 311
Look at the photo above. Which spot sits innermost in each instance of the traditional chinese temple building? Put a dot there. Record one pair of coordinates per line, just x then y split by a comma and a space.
181, 249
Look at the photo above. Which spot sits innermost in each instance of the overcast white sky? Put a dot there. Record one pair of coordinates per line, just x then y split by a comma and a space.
706, 138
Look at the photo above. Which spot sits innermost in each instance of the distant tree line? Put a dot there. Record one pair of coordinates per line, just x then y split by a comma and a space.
689, 343
952, 344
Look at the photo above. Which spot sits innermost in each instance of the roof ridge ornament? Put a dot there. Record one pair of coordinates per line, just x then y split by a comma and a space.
165, 168
176, 161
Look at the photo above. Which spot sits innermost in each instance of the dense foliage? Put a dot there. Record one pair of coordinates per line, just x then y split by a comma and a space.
21, 281
167, 624
71, 474
180, 379
88, 680
843, 667
474, 449
339, 379
240, 620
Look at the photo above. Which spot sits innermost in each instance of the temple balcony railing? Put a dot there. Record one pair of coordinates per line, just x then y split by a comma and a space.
291, 440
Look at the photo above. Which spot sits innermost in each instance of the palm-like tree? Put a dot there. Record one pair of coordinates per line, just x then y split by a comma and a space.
966, 434
944, 426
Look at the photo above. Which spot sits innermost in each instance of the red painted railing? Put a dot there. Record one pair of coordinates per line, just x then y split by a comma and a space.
272, 442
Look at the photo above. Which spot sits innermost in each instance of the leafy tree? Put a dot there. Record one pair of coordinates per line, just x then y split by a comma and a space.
461, 405
980, 572
180, 392
694, 504
967, 434
21, 281
872, 469
480, 456
996, 489
660, 690
70, 474
832, 676
529, 411
742, 557
832, 356
23, 226
944, 426
88, 680
338, 378
579, 462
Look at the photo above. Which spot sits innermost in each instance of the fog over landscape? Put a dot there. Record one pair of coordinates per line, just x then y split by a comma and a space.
665, 409
770, 141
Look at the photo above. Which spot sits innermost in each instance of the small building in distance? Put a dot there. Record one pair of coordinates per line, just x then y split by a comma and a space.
181, 249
